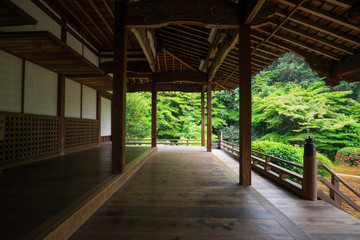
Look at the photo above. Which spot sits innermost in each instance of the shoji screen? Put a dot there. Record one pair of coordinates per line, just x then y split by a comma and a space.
40, 90
10, 82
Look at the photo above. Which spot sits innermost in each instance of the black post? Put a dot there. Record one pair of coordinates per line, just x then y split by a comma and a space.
309, 184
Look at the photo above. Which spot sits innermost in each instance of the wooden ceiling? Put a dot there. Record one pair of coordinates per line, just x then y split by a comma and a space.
325, 33
12, 15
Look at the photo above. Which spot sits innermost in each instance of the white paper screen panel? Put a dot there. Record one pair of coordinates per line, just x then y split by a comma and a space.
40, 90
72, 99
105, 117
10, 82
88, 103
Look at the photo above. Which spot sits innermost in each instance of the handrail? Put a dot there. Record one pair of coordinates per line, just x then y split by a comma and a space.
186, 142
339, 179
282, 176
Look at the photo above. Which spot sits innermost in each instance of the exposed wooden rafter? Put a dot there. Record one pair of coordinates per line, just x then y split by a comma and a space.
253, 7
148, 46
227, 45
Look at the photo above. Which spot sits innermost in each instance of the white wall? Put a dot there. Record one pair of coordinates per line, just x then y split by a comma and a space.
89, 103
77, 46
41, 89
45, 23
72, 98
105, 117
10, 82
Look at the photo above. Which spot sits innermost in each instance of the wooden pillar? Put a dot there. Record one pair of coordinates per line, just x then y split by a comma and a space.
119, 89
61, 112
98, 114
208, 99
153, 114
245, 104
202, 118
309, 183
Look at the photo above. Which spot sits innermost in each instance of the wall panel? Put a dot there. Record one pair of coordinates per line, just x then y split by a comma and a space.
72, 98
10, 82
40, 90
88, 103
105, 117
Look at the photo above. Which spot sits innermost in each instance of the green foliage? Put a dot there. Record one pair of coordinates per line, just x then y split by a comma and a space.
349, 156
138, 113
290, 153
283, 151
231, 134
292, 109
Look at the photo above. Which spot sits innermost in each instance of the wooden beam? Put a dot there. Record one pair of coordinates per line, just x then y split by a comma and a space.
165, 87
322, 14
101, 16
153, 114
245, 105
119, 89
202, 118
209, 127
228, 44
207, 13
188, 76
343, 3
316, 38
345, 67
252, 9
146, 45
179, 59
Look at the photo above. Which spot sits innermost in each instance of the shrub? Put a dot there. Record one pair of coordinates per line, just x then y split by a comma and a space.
290, 153
349, 156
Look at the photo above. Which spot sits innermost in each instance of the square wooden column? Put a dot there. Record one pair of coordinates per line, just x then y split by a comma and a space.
208, 99
153, 114
202, 118
61, 112
119, 89
245, 104
98, 114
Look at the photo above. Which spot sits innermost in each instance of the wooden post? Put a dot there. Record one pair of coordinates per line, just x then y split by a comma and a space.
309, 184
154, 114
208, 100
61, 112
98, 115
119, 89
202, 118
245, 104
220, 139
333, 194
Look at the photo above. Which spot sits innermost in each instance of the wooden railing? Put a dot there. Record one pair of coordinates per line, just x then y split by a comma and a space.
335, 195
171, 142
268, 166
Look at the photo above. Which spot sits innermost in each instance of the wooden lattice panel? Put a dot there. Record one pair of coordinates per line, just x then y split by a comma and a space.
28, 136
80, 132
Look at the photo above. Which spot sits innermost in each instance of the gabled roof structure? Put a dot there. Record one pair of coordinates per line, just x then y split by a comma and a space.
325, 33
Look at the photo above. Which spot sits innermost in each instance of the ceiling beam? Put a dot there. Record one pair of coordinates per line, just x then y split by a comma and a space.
164, 87
148, 46
345, 67
343, 3
226, 46
316, 38
214, 39
180, 76
322, 14
252, 9
319, 27
93, 5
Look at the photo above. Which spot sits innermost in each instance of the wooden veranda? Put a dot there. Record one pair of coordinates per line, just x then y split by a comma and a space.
68, 63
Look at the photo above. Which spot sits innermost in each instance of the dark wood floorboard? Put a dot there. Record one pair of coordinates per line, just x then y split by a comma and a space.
32, 193
182, 195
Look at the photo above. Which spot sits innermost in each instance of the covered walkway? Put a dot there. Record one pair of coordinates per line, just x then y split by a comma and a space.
186, 193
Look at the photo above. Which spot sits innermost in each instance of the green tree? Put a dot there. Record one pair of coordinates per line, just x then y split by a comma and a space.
138, 115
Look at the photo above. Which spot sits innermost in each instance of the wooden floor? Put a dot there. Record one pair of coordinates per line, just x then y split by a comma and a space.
190, 194
32, 193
